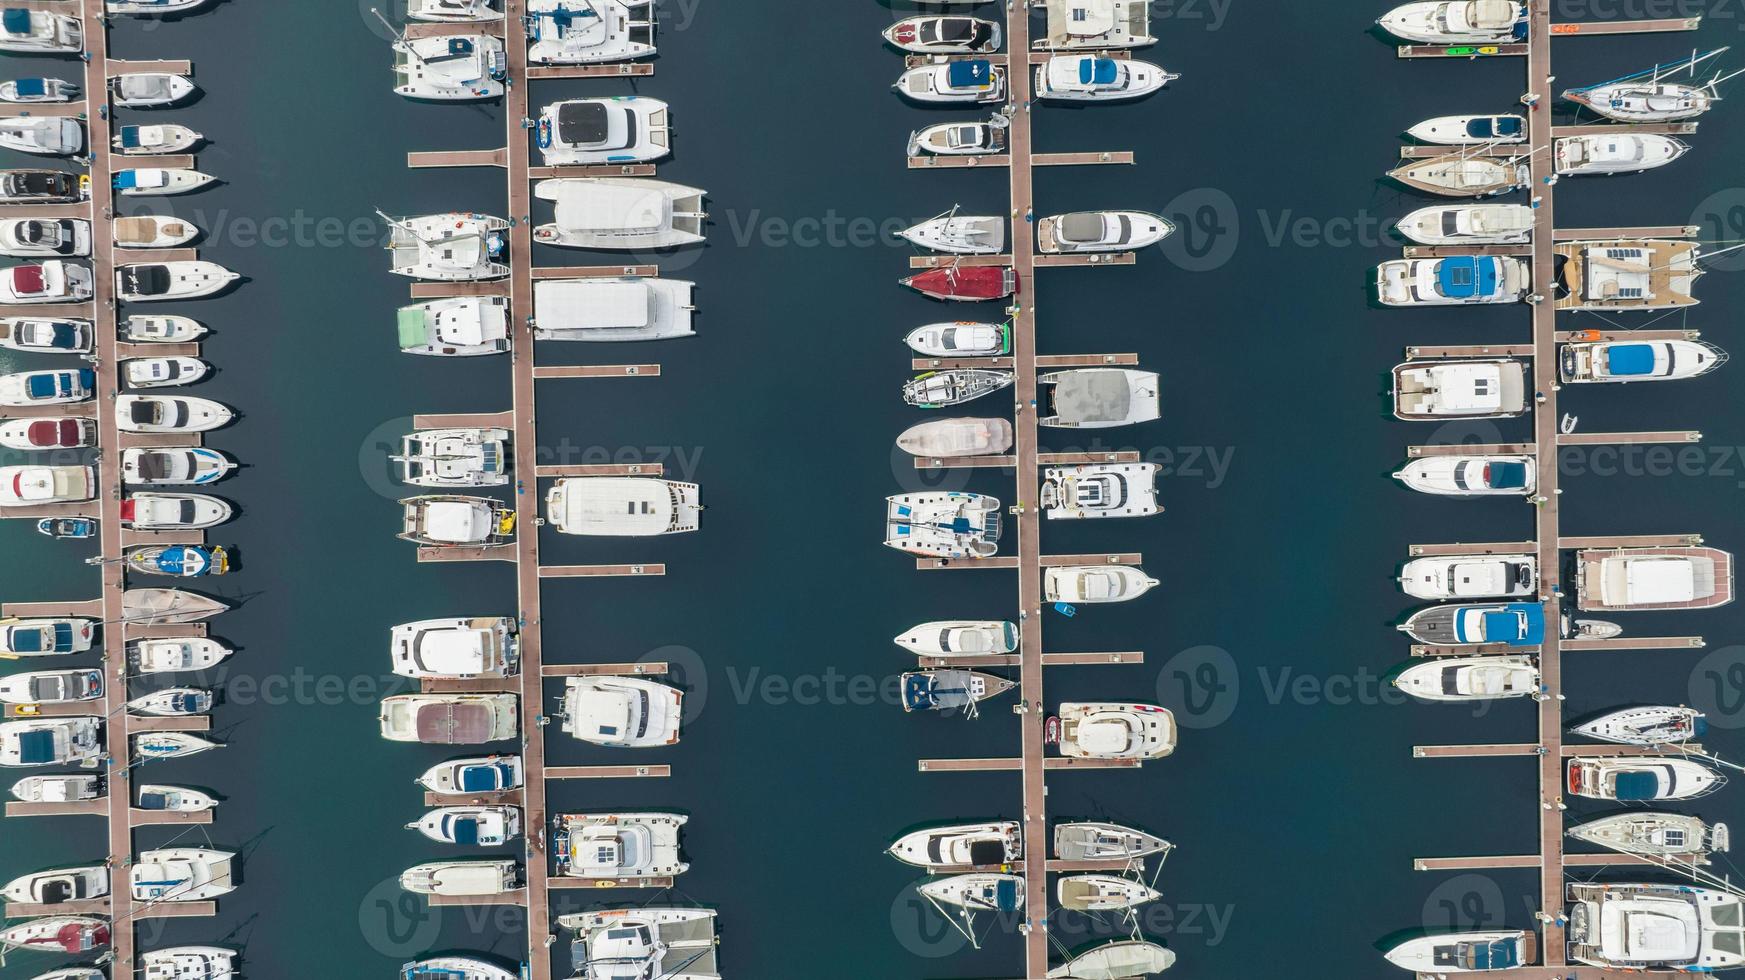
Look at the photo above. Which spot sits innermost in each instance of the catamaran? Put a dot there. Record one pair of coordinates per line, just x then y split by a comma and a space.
453, 247
1113, 730
943, 524
1092, 490
463, 457
660, 943
1651, 926
589, 32
456, 326
1466, 389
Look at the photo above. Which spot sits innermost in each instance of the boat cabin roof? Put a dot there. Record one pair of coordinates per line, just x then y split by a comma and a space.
581, 304
612, 207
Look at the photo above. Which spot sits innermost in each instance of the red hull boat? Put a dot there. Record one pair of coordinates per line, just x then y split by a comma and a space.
972, 284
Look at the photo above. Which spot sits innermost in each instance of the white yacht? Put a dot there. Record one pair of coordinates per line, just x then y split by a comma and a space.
51, 281
1094, 25
31, 237
46, 335
620, 213
1094, 583
458, 879
45, 637
622, 506
453, 247
1471, 576
944, 34
470, 826
1102, 893
960, 638
140, 329
1471, 476
617, 129
173, 799
1464, 389
182, 874
450, 719
173, 466
149, 89
1100, 490
1114, 730
153, 231
1123, 959
171, 654
1517, 624
618, 845
57, 789
163, 372
943, 524
456, 968
32, 388
1457, 21
656, 942
1459, 175
565, 32
959, 234
449, 68
960, 338
162, 138
1098, 78
1660, 724
1624, 361
145, 8
1622, 579
960, 138
187, 962
1651, 926
957, 437
463, 457
965, 80
40, 32
1080, 232
1097, 398
1614, 153
40, 434
41, 486
1640, 779
1466, 952
975, 845
1654, 834
23, 186
58, 886
619, 308
456, 521
157, 281
25, 91
1470, 130
456, 326
1470, 678
159, 181
622, 712
475, 776
167, 413
1455, 280
482, 646
1469, 224
52, 686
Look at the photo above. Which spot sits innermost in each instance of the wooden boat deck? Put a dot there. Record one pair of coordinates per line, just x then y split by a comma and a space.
1588, 564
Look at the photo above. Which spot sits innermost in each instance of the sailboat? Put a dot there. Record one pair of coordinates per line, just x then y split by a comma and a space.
1646, 96
981, 891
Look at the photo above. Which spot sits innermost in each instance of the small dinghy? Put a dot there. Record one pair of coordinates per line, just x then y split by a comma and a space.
167, 413
58, 886
1470, 678
56, 136
950, 689
167, 607
1098, 78
153, 231
57, 789
188, 962
72, 433
959, 234
960, 638
976, 845
1127, 959
71, 335
474, 777
52, 686
1463, 176
1651, 725
170, 745
173, 466
160, 139
944, 34
1470, 476
957, 437
960, 139
70, 934
1469, 224
1654, 834
157, 281
161, 329
182, 874
972, 284
961, 338
471, 826
67, 528
1103, 893
168, 655
939, 389
943, 524
162, 372
28, 237
173, 512
1465, 952
1641, 779
968, 80
1594, 629
149, 89
175, 702
159, 181
174, 799
35, 90
1470, 130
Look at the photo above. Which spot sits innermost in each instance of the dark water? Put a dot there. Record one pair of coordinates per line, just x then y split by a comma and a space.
1293, 796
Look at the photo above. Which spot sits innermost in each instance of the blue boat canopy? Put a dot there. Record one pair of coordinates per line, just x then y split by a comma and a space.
25, 641
1501, 954
63, 336
1006, 895
1466, 276
1506, 476
967, 74
1637, 785
36, 748
125, 180
1631, 359
466, 831
129, 137
31, 86
1519, 624
42, 386
16, 20
480, 779
1098, 71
